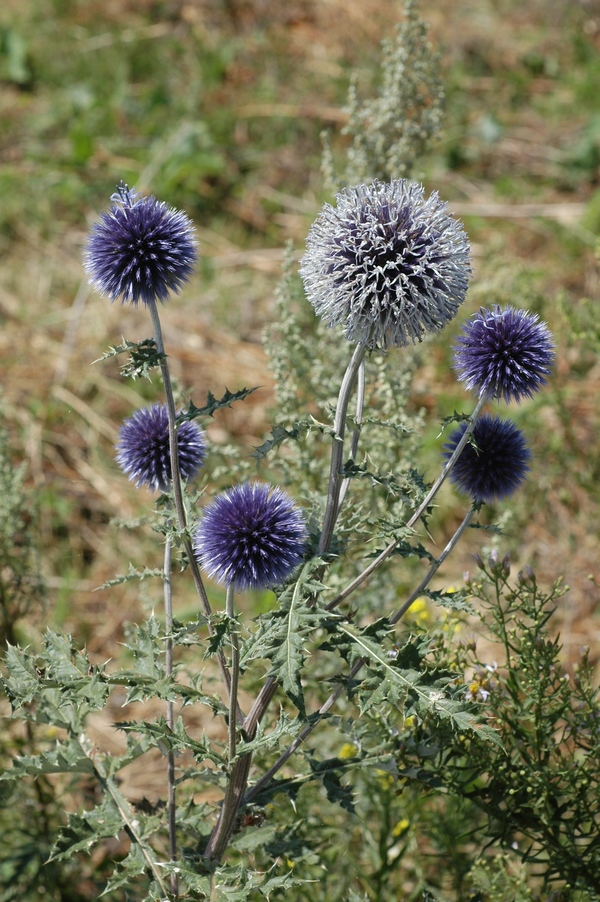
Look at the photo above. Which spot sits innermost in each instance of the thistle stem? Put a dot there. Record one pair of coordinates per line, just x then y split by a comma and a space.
235, 672
235, 797
237, 782
360, 401
435, 566
238, 777
355, 368
378, 561
229, 811
170, 712
355, 669
178, 494
337, 449
286, 755
268, 690
129, 818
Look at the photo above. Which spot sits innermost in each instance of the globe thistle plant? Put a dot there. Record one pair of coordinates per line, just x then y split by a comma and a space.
504, 353
251, 537
141, 250
143, 448
494, 464
386, 264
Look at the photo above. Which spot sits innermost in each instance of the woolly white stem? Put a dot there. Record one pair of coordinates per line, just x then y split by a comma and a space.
177, 491
170, 713
337, 449
378, 561
235, 672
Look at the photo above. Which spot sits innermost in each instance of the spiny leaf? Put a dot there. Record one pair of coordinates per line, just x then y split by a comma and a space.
329, 774
186, 633
405, 549
280, 435
398, 682
143, 687
136, 747
22, 683
60, 677
234, 883
287, 728
176, 739
131, 575
421, 775
144, 357
283, 633
222, 626
389, 481
455, 417
145, 643
131, 866
64, 663
66, 758
213, 404
115, 350
453, 601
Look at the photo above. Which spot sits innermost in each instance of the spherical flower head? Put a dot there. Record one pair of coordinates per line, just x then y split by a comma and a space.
143, 448
504, 353
251, 537
386, 264
141, 250
496, 465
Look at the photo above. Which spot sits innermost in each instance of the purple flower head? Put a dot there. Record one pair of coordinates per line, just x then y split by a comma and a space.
496, 465
143, 448
251, 537
140, 250
386, 264
504, 353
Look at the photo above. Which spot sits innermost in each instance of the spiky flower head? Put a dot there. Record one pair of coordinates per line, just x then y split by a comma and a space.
141, 250
143, 448
386, 264
495, 465
504, 353
251, 537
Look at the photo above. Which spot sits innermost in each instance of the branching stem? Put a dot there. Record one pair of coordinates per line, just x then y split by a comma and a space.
235, 796
235, 671
239, 774
378, 561
354, 670
129, 818
360, 401
269, 690
435, 566
337, 449
170, 713
177, 491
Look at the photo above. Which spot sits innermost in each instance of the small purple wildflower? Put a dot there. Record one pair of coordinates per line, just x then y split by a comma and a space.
496, 465
143, 448
504, 353
252, 536
386, 264
141, 250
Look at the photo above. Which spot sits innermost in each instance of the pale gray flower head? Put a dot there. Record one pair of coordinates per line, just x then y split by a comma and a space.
386, 263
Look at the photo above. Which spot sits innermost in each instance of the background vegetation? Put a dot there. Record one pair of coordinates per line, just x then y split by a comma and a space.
218, 107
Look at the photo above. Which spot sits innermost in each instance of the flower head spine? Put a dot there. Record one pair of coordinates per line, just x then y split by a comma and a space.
140, 250
251, 536
386, 264
504, 353
143, 448
494, 464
